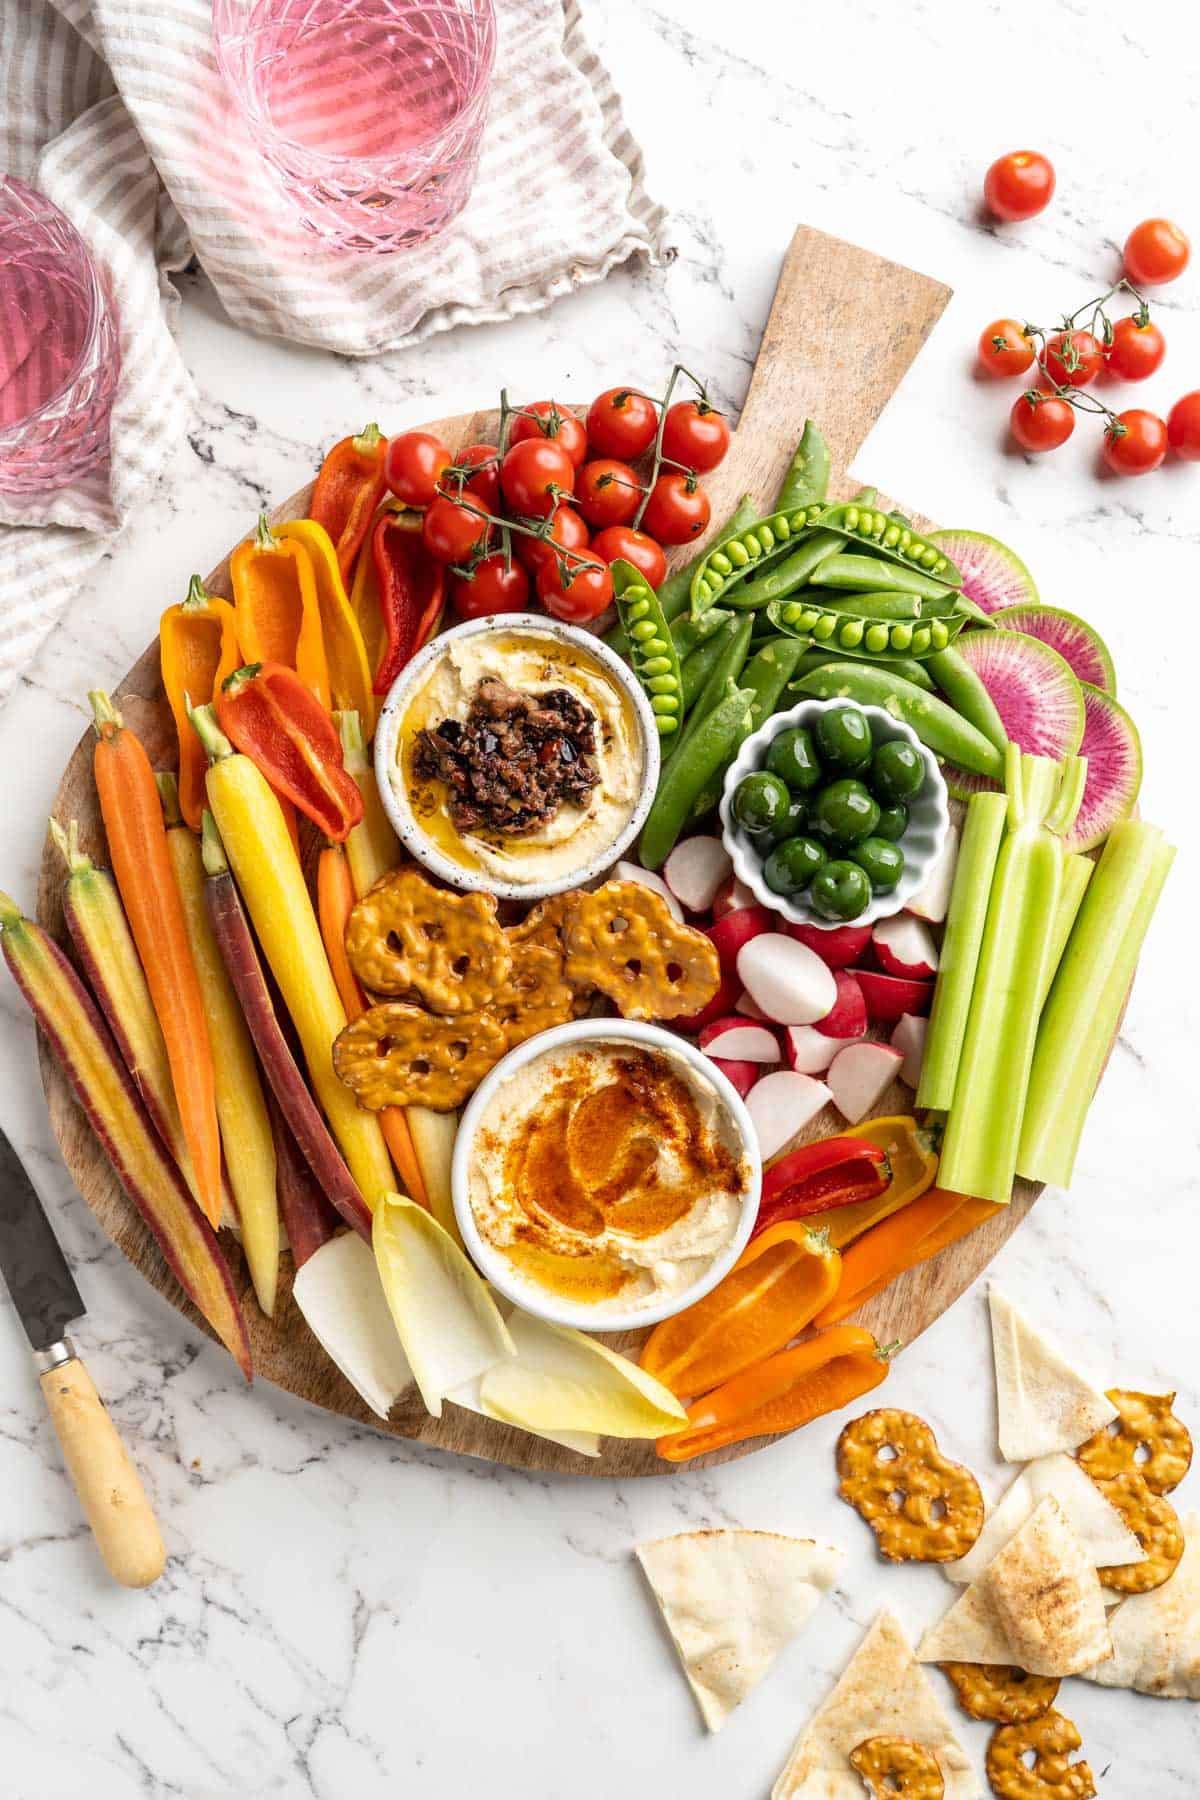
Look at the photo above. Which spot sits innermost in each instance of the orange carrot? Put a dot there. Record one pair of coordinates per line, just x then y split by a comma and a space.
900, 1242
335, 898
137, 842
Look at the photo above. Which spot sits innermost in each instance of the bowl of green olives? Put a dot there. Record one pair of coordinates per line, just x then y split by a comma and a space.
834, 812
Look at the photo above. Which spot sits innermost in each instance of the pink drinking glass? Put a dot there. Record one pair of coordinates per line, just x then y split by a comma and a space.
59, 353
370, 112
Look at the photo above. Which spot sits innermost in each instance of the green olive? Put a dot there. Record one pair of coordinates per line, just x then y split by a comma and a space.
841, 890
846, 811
897, 771
882, 861
793, 864
893, 822
793, 757
760, 801
794, 821
843, 738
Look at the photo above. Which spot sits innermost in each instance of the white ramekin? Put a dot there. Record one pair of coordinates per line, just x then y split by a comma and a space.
408, 827
496, 1267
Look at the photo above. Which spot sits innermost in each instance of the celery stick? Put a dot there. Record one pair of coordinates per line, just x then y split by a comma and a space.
1077, 872
983, 1131
1085, 1001
982, 831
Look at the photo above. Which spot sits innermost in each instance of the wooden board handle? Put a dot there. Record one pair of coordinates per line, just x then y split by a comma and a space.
106, 1481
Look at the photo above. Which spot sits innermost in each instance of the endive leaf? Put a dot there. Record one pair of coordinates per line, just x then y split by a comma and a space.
447, 1321
339, 1292
563, 1380
583, 1443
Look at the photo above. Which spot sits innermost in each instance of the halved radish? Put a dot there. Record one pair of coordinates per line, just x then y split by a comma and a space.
780, 1105
737, 928
627, 871
808, 1051
860, 1075
732, 896
721, 1004
933, 901
847, 1017
695, 870
749, 1009
788, 980
888, 996
838, 946
743, 1075
905, 947
909, 1039
740, 1040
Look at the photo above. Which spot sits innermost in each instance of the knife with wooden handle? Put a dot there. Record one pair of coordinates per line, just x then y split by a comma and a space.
47, 1300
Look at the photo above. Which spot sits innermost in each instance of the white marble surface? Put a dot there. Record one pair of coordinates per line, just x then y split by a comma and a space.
345, 1617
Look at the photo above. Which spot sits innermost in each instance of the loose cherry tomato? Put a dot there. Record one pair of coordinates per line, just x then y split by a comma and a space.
567, 530
1004, 349
577, 593
1183, 427
494, 585
636, 548
695, 434
1041, 421
550, 420
607, 492
621, 422
453, 530
1019, 185
678, 509
1073, 358
1137, 348
413, 465
486, 484
1137, 442
534, 474
1155, 251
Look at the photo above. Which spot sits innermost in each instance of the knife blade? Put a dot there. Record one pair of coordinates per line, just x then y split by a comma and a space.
47, 1300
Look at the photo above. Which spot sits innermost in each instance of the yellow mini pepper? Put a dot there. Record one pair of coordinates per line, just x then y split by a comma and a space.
345, 652
912, 1157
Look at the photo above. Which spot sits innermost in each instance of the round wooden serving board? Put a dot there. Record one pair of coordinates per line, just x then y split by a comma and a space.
843, 329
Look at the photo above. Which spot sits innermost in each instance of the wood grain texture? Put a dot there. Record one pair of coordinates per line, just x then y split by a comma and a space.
843, 329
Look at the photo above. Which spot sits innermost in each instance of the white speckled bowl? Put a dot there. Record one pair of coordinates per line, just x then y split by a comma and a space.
496, 1267
396, 802
929, 817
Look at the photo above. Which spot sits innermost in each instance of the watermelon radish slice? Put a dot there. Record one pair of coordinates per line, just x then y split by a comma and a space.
1114, 772
993, 575
1073, 638
1038, 699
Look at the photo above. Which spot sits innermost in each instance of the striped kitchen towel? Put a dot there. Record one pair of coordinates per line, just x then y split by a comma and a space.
114, 108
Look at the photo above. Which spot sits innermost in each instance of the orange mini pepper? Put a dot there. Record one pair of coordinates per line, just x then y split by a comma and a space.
348, 488
197, 649
778, 1285
908, 1238
276, 607
784, 1392
345, 652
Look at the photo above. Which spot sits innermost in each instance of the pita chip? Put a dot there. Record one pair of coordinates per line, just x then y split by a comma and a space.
1156, 1636
1099, 1526
731, 1600
1043, 1403
1038, 1605
882, 1693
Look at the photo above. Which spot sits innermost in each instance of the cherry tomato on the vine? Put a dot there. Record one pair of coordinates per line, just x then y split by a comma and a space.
567, 530
607, 492
1041, 421
550, 420
485, 458
695, 434
622, 423
678, 509
576, 593
1004, 349
1136, 443
635, 547
1183, 427
1019, 185
1155, 251
534, 474
494, 585
413, 466
1073, 358
452, 530
1137, 348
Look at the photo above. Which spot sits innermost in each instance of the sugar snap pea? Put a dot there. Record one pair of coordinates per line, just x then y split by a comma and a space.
766, 676
700, 664
885, 605
675, 592
967, 694
792, 571
723, 566
937, 725
807, 477
689, 771
735, 647
906, 667
886, 537
870, 575
829, 628
689, 633
652, 652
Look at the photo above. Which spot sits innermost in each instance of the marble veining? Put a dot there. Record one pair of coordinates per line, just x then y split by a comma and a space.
344, 1616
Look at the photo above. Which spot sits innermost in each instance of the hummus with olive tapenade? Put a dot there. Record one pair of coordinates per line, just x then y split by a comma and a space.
520, 755
608, 1174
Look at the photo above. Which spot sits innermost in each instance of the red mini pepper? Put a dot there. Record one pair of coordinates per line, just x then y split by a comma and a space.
411, 587
835, 1171
348, 488
269, 714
